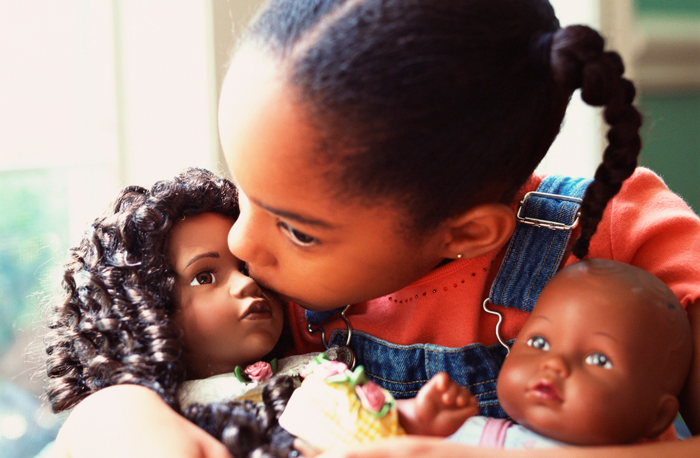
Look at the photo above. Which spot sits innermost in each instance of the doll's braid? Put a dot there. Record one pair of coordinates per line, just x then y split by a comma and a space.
579, 61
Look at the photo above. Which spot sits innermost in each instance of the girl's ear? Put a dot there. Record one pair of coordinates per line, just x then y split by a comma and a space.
666, 412
478, 230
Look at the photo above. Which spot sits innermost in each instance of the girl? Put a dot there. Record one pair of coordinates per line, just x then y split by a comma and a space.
383, 148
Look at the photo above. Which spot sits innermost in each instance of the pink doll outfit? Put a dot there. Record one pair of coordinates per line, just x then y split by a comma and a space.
481, 431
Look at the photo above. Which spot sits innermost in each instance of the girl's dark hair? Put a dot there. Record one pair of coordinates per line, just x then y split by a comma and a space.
441, 104
113, 323
248, 429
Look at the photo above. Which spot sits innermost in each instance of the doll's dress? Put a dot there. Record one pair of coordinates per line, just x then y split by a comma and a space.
335, 408
481, 431
228, 387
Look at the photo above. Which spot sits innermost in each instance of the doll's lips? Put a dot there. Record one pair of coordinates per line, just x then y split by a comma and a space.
546, 390
259, 309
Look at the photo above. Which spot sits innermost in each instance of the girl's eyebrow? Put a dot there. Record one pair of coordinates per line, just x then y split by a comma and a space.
210, 254
295, 216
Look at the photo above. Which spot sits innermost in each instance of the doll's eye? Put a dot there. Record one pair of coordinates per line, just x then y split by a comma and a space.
296, 236
244, 269
600, 360
203, 278
538, 342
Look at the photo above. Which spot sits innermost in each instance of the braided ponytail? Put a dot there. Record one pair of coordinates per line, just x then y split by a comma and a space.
579, 61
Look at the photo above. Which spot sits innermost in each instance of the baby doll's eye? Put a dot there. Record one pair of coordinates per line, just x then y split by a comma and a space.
296, 236
538, 342
203, 278
599, 359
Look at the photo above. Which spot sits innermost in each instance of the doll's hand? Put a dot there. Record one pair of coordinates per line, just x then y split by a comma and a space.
439, 409
130, 420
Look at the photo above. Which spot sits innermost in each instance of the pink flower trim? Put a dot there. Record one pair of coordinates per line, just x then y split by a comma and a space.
371, 396
259, 372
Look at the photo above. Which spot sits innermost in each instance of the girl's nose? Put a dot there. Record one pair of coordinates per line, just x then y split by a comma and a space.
247, 243
556, 364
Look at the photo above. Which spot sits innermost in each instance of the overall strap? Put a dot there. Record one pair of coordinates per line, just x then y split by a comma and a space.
545, 220
316, 318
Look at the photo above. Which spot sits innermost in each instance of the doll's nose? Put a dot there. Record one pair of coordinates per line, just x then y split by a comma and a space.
243, 286
556, 364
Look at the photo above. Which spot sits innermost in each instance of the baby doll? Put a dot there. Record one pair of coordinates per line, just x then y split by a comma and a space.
152, 296
600, 361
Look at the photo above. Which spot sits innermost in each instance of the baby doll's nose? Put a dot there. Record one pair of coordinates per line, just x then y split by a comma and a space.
556, 364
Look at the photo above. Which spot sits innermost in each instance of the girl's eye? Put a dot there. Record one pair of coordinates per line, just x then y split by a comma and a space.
296, 236
600, 360
538, 342
203, 278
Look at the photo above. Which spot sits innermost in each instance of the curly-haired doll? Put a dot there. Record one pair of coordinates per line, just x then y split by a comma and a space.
152, 296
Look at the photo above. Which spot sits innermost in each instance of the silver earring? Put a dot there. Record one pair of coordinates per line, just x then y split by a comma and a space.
459, 255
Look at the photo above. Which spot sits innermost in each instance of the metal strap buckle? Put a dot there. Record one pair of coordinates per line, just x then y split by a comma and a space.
544, 223
311, 330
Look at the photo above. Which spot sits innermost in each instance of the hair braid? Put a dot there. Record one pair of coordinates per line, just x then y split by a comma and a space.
578, 60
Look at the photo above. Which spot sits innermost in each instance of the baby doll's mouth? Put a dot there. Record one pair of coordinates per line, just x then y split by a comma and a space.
546, 390
259, 309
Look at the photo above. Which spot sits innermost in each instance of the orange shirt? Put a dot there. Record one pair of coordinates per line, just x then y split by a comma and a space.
646, 225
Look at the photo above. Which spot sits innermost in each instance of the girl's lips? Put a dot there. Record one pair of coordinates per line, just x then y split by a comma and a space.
259, 309
546, 390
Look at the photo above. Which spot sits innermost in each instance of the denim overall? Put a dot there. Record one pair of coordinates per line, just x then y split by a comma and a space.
545, 220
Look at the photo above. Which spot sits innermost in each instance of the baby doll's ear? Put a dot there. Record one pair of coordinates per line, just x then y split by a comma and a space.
479, 230
666, 413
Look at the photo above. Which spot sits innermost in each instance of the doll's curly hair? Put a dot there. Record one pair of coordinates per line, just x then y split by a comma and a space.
248, 429
112, 324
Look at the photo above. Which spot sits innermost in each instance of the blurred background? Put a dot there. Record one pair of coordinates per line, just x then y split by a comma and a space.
97, 94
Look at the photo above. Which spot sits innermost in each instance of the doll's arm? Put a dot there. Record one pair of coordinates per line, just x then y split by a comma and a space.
439, 409
130, 420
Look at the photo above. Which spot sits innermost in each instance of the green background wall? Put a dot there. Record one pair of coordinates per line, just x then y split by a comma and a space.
671, 133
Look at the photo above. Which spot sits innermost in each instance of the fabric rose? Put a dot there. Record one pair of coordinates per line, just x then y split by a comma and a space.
371, 396
259, 371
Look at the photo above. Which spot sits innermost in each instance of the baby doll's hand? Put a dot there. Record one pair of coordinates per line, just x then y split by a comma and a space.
130, 420
439, 409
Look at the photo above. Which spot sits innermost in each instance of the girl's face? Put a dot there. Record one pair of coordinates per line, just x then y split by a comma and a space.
226, 318
297, 240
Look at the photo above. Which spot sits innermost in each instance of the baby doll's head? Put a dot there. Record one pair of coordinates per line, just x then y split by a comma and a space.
118, 319
602, 358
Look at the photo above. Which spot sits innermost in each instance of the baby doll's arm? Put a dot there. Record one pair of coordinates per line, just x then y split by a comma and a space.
133, 421
439, 409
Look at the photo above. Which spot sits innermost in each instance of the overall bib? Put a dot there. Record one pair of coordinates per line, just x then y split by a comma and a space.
544, 222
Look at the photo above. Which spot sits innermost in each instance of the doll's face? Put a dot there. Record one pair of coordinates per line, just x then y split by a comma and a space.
226, 318
586, 367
